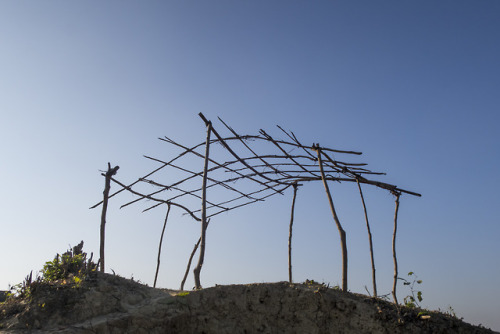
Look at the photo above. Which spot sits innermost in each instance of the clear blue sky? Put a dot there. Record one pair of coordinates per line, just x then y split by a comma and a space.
414, 85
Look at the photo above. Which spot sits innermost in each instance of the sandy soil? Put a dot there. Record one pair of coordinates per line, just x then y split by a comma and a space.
111, 304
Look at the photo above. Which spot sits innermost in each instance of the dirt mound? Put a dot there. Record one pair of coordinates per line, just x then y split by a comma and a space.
111, 304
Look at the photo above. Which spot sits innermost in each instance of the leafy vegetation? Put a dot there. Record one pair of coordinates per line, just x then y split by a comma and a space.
69, 268
414, 299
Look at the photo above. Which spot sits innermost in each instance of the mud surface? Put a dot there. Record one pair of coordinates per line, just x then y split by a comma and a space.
111, 304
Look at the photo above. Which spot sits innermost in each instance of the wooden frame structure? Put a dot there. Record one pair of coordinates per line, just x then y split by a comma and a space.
266, 174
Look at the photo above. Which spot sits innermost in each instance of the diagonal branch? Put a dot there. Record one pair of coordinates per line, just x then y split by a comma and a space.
285, 152
250, 149
156, 199
226, 146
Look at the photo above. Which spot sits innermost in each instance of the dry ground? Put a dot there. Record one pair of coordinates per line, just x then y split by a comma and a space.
111, 304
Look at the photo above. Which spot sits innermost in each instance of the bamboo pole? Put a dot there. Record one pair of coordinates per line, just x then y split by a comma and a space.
107, 186
394, 284
317, 148
159, 247
295, 187
369, 240
197, 270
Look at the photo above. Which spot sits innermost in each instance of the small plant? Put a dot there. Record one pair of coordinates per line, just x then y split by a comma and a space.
70, 264
70, 267
319, 286
450, 312
24, 289
385, 297
411, 300
310, 282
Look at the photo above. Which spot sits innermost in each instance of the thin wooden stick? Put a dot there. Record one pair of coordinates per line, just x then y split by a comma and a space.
369, 240
226, 146
247, 203
107, 187
197, 270
189, 264
394, 284
159, 247
295, 187
219, 164
275, 164
187, 150
287, 143
261, 158
156, 199
188, 267
200, 174
182, 191
285, 152
254, 199
293, 138
343, 241
382, 185
247, 137
149, 174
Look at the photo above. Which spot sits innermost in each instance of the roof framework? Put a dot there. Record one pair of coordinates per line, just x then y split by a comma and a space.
239, 170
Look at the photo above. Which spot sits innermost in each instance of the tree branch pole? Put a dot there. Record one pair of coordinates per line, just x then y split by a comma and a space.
335, 217
295, 187
191, 260
369, 240
159, 247
394, 284
107, 186
204, 224
189, 263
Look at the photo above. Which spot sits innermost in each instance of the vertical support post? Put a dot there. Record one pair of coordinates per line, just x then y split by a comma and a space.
189, 264
107, 186
369, 239
394, 284
204, 223
295, 187
159, 247
195, 248
317, 148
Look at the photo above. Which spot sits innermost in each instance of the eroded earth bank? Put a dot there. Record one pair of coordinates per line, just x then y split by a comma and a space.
106, 303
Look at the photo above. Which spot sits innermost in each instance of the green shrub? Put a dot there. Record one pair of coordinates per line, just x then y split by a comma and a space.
70, 267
